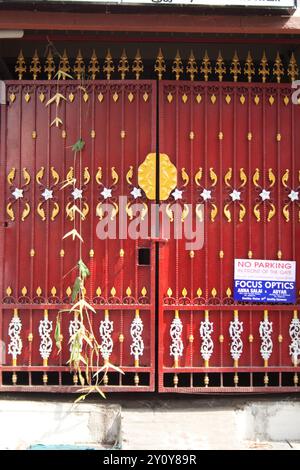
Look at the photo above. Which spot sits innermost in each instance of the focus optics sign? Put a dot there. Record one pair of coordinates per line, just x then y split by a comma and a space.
257, 280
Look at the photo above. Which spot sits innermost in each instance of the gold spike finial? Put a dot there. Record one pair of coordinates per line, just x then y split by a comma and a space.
108, 66
35, 66
123, 65
278, 69
264, 67
206, 68
235, 68
49, 68
94, 67
137, 66
20, 67
220, 68
293, 68
177, 66
160, 65
192, 68
249, 68
64, 65
79, 66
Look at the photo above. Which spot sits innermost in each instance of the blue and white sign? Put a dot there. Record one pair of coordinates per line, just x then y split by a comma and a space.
266, 281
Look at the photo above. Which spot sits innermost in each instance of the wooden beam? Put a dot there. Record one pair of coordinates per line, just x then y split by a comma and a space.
180, 23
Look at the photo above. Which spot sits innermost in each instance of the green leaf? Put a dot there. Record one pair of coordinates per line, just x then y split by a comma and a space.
81, 398
78, 146
57, 334
76, 288
83, 269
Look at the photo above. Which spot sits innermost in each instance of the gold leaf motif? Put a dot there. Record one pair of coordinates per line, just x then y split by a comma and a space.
129, 175
32, 253
169, 212
249, 136
285, 178
242, 212
227, 213
26, 176
184, 98
42, 97
221, 135
62, 253
227, 177
144, 291
54, 175
115, 97
85, 210
256, 99
122, 253
145, 97
27, 97
250, 254
9, 291
242, 99
123, 134
64, 133
39, 291
11, 176
24, 291
128, 292
213, 212
98, 291
86, 176
130, 97
191, 135
228, 99
71, 97
221, 254
199, 292
257, 212
286, 213
256, 177
55, 211
213, 98
286, 100
12, 97
279, 254
243, 177
198, 98
114, 175
213, 177
69, 291
271, 100
272, 212
214, 292
10, 212
184, 292
25, 212
100, 97
228, 292
41, 211
113, 291
93, 134
91, 253
169, 292
34, 134
170, 97
198, 177
99, 175
185, 177
272, 178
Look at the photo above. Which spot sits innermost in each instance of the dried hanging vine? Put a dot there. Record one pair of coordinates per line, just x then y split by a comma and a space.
84, 348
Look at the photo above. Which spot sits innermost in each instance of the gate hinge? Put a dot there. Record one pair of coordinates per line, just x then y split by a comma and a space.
2, 92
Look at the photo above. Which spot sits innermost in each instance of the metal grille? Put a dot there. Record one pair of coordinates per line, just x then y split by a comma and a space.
225, 138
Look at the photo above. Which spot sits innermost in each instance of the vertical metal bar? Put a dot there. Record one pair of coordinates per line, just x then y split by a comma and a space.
107, 133
176, 164
264, 172
18, 222
206, 218
47, 287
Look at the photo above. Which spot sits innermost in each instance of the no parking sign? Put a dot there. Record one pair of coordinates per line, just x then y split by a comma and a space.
265, 281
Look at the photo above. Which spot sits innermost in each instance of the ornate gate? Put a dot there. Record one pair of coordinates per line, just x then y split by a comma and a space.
236, 148
117, 122
226, 153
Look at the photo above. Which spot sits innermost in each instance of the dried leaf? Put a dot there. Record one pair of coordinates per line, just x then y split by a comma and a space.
73, 233
57, 121
76, 288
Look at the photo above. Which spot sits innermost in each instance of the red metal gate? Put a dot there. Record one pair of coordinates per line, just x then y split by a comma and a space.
229, 140
118, 124
215, 140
